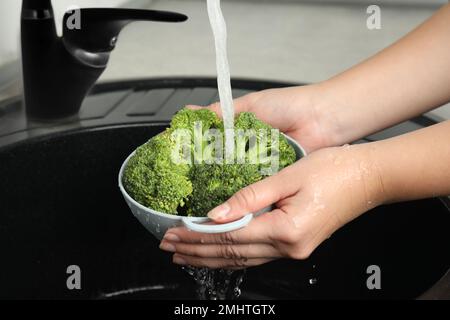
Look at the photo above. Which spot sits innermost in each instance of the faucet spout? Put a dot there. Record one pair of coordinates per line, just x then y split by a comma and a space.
100, 27
58, 72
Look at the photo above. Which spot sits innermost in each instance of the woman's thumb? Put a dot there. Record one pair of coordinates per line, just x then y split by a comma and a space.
251, 199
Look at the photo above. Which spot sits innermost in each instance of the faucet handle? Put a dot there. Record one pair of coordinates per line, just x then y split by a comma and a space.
99, 28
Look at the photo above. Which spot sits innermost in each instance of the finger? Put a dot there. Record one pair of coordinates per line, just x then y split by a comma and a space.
240, 105
256, 197
216, 263
262, 229
228, 251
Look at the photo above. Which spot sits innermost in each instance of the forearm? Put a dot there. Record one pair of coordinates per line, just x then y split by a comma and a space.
415, 165
407, 79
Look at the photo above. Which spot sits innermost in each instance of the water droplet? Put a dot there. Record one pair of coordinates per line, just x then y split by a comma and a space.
113, 42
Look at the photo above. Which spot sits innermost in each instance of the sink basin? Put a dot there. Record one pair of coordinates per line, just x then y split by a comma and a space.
60, 206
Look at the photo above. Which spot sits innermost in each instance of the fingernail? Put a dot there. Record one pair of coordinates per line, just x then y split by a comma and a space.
171, 237
179, 260
166, 246
220, 212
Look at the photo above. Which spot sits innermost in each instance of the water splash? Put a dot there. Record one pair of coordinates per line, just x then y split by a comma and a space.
312, 281
216, 284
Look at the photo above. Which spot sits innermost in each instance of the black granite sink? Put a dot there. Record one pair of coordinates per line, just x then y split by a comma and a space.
60, 206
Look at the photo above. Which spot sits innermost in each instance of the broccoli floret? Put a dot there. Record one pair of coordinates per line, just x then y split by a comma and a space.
248, 121
214, 184
287, 153
187, 118
266, 150
197, 123
153, 179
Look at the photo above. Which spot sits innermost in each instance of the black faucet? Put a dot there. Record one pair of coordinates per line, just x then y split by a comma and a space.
58, 72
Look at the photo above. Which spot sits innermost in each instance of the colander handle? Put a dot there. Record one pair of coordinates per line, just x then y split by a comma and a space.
217, 228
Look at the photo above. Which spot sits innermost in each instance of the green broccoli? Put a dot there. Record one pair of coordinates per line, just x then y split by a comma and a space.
194, 186
213, 184
265, 149
154, 180
186, 119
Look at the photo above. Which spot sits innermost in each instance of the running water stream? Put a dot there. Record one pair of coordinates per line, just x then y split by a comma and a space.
220, 284
219, 29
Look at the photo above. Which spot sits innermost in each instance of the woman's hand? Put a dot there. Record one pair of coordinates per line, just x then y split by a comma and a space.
292, 110
314, 197
332, 186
